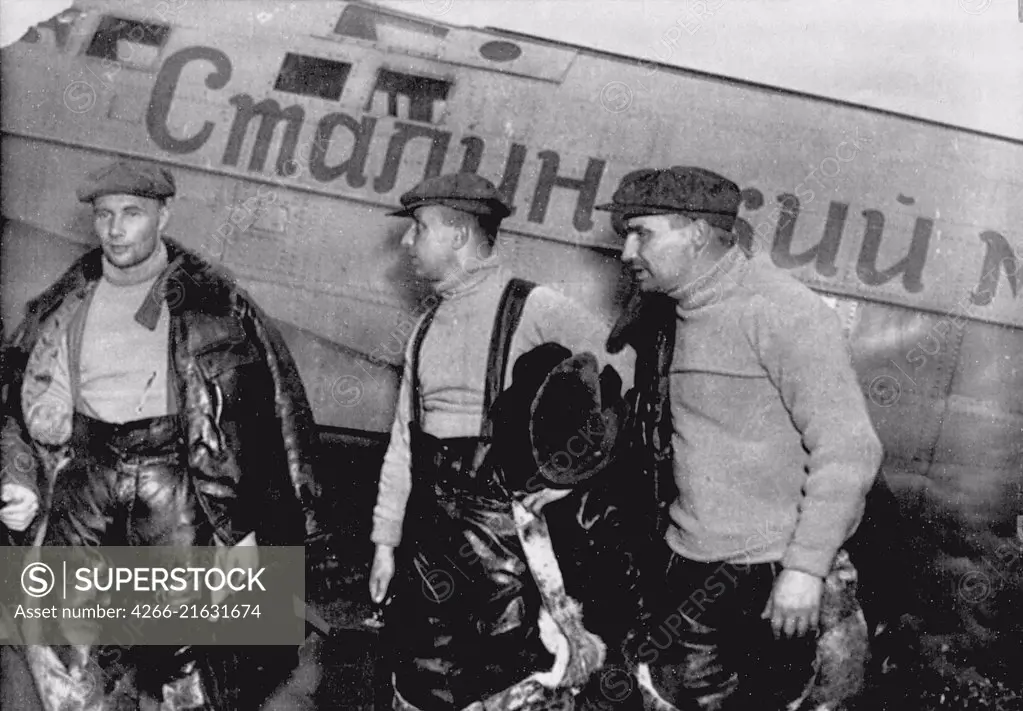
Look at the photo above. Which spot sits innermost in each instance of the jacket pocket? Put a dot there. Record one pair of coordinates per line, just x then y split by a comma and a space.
232, 351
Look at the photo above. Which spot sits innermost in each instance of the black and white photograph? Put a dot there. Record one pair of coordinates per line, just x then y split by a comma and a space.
511, 355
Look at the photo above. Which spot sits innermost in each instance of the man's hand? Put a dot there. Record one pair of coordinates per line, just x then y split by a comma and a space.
795, 603
22, 504
243, 555
381, 573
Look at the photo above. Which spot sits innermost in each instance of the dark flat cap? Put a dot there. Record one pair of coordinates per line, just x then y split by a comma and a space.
694, 192
126, 177
467, 192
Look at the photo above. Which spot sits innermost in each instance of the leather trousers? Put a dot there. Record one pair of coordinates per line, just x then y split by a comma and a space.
126, 485
130, 485
708, 647
463, 617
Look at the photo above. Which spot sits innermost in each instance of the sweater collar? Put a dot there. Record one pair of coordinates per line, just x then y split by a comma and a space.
713, 286
470, 278
140, 273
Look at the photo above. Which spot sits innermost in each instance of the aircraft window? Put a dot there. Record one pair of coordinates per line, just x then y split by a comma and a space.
374, 25
313, 76
409, 97
500, 51
128, 41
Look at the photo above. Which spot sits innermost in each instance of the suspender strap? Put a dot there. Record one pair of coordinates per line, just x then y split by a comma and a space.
417, 344
509, 313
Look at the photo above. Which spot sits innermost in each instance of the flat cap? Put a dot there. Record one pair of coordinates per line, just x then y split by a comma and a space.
695, 192
467, 192
126, 177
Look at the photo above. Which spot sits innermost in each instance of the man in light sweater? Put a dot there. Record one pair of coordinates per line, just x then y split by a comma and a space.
150, 402
465, 623
772, 448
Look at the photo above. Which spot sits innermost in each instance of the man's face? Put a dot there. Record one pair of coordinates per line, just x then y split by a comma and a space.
431, 243
128, 227
661, 250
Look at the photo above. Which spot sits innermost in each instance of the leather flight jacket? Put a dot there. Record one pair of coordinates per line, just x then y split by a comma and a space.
237, 393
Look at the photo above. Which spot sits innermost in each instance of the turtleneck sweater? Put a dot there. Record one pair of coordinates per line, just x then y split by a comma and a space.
123, 364
773, 444
452, 370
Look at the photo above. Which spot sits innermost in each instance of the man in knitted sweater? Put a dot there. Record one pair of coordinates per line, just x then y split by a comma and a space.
464, 611
772, 449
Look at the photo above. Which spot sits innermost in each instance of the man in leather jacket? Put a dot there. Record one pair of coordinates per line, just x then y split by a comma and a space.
157, 405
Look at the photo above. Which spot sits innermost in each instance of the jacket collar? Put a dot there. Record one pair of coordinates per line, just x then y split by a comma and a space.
188, 281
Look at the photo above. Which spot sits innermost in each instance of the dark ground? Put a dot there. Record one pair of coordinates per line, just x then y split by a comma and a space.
935, 659
922, 673
925, 665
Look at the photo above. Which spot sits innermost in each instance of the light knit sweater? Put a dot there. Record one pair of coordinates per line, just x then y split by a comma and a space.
453, 370
774, 447
122, 364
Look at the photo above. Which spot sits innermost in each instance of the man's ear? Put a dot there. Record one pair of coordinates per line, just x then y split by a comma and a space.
164, 217
704, 235
704, 232
461, 237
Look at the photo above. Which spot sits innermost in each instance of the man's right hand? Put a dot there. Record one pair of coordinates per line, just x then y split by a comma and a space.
21, 506
381, 573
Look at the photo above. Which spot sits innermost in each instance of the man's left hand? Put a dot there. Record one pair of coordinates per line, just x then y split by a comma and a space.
245, 555
795, 603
